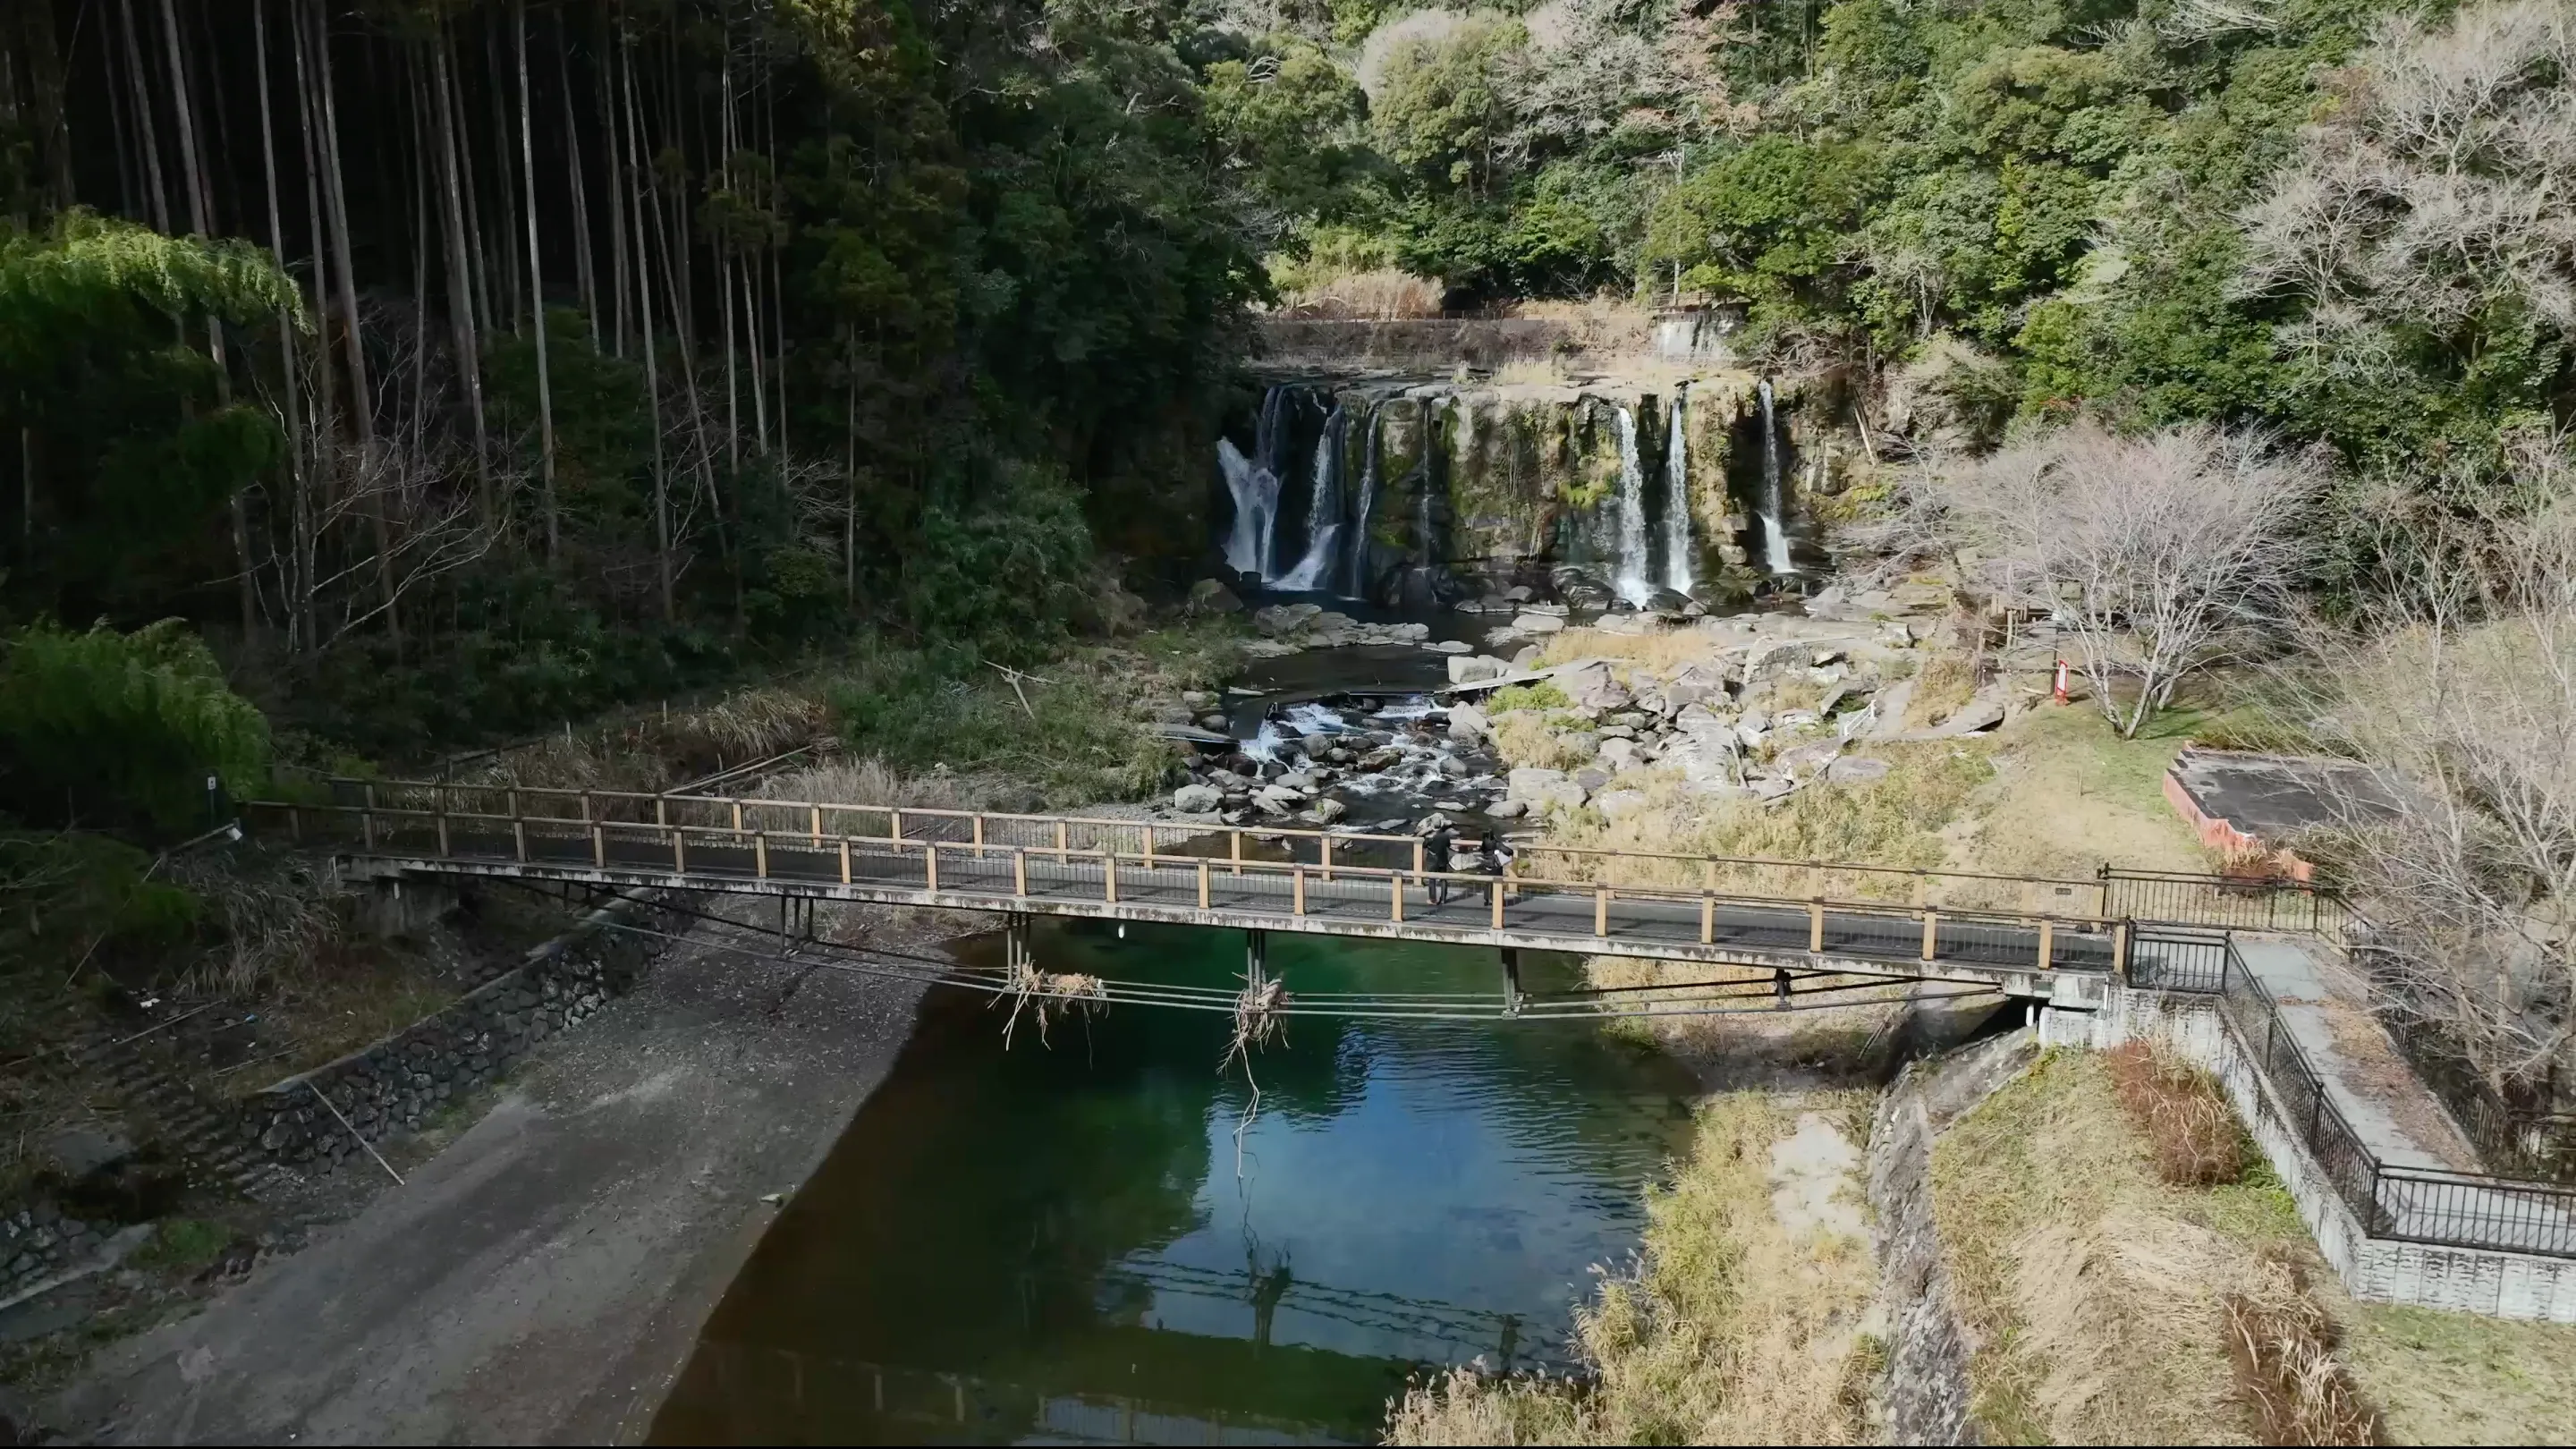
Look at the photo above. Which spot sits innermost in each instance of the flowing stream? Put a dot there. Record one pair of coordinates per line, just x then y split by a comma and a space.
1677, 529
1628, 569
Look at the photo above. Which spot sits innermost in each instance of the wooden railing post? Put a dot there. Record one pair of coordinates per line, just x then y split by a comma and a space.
1395, 898
1324, 846
897, 827
1417, 860
737, 817
930, 869
1234, 849
818, 823
845, 860
760, 855
1931, 930
1601, 910
1707, 919
1815, 925
979, 834
1061, 855
1498, 905
1109, 876
1203, 883
2047, 944
679, 850
1019, 872
1922, 890
662, 810
1149, 847
598, 845
1297, 888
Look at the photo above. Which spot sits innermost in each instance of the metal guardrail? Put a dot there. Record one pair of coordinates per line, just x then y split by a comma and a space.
2236, 903
2408, 1204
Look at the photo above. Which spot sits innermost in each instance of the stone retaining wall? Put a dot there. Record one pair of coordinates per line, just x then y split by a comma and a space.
2375, 1270
37, 1242
389, 1088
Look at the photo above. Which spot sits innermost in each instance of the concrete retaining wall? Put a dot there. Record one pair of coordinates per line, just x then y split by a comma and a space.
2375, 1270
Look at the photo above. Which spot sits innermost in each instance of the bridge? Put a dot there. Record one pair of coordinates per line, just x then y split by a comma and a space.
2027, 936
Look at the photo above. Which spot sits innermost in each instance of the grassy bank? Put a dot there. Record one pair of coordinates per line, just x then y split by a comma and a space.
2101, 1298
1742, 1322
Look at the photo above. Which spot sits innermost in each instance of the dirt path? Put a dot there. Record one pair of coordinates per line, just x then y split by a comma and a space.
543, 1278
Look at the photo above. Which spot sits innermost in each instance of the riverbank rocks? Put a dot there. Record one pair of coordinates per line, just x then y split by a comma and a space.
1209, 596
1541, 789
1197, 799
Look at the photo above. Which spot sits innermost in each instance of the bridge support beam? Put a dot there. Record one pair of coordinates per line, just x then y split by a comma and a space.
1511, 980
1256, 958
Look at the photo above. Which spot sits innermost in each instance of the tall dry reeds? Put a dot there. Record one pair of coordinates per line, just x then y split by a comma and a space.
2282, 1345
2182, 1112
1378, 295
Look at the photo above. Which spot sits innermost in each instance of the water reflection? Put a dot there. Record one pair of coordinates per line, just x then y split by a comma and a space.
1091, 1241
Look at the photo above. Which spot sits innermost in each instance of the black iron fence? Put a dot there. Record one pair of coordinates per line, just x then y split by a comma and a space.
2177, 958
2235, 903
2409, 1204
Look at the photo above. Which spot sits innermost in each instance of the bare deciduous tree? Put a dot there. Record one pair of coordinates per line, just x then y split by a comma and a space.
2458, 694
2160, 555
2437, 189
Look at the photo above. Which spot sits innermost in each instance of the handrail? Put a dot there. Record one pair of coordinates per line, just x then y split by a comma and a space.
537, 841
2454, 1204
1782, 863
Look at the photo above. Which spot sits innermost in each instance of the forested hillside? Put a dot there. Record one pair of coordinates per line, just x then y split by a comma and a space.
2331, 218
848, 311
857, 312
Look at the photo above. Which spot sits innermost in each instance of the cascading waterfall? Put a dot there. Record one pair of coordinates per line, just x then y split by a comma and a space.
1775, 540
1254, 483
1628, 570
1677, 529
1355, 577
1323, 511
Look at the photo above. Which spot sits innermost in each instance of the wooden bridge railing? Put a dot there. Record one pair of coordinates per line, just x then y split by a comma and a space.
1002, 858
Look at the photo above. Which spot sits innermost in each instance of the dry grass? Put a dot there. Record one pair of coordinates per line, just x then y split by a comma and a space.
1381, 294
1735, 1328
2282, 1345
1942, 687
275, 913
1896, 822
1663, 652
1548, 371
2092, 1291
2181, 1111
1540, 739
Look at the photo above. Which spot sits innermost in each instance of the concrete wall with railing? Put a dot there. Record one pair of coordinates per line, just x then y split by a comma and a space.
2374, 1270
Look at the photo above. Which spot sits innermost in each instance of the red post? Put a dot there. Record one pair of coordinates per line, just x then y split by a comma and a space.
2059, 693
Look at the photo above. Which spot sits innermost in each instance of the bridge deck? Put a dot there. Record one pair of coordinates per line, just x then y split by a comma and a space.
1340, 898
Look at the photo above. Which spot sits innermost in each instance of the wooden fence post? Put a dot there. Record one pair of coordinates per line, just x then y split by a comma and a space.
1930, 932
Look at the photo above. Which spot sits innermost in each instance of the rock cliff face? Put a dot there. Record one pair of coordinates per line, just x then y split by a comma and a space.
1405, 489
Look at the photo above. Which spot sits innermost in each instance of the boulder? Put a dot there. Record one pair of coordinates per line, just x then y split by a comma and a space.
1208, 596
1544, 788
1330, 810
1856, 769
1508, 809
1450, 647
1537, 623
1280, 619
1591, 778
1770, 787
1468, 724
1620, 804
1618, 755
1197, 799
1475, 669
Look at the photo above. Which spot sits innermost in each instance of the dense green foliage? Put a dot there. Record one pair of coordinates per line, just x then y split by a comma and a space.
2053, 205
122, 725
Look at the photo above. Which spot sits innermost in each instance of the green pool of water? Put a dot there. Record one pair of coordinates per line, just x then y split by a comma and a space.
1088, 1240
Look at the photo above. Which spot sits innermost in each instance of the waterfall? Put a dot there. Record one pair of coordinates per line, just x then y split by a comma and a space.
1628, 570
1355, 580
1323, 511
1775, 540
1254, 483
1677, 529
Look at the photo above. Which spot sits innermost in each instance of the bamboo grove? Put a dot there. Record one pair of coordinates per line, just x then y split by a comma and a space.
558, 347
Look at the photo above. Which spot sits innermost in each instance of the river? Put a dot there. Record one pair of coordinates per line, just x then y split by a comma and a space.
1087, 1240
